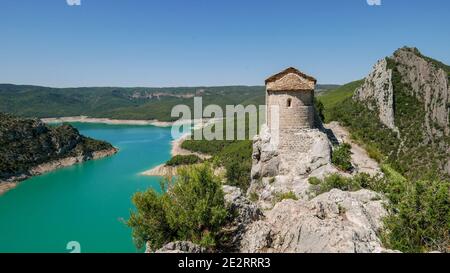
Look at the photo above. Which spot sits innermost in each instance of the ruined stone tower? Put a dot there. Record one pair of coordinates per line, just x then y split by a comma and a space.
291, 145
292, 92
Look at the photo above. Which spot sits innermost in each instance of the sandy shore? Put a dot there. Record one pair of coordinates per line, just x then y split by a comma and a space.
163, 170
6, 186
85, 119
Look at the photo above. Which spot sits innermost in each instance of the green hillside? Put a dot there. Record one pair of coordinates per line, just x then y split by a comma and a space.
120, 103
334, 97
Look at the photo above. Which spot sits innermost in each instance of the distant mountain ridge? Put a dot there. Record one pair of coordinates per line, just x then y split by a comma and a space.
120, 103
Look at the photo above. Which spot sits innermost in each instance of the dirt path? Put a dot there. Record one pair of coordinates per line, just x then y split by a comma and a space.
360, 159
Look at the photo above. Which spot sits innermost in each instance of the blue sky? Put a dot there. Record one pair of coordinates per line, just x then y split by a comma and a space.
209, 42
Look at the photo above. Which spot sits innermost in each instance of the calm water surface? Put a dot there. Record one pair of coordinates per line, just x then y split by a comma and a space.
84, 203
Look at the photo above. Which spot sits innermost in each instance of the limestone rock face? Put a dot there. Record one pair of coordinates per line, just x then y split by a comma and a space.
181, 247
409, 74
429, 84
287, 167
245, 213
377, 93
337, 221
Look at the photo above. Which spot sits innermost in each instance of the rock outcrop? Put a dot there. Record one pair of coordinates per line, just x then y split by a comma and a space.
334, 222
411, 94
180, 247
28, 147
425, 80
282, 170
377, 93
429, 84
243, 213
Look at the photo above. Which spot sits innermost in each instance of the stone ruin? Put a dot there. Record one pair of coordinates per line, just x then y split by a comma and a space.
293, 144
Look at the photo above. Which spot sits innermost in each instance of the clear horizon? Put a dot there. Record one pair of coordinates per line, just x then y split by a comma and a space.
179, 43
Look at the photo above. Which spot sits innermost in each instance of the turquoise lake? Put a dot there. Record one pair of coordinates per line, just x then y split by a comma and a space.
85, 203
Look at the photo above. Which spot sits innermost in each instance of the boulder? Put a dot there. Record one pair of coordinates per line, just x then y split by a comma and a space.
181, 247
334, 222
242, 213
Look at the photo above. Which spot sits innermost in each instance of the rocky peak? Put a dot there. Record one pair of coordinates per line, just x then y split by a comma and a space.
424, 78
429, 83
378, 93
411, 94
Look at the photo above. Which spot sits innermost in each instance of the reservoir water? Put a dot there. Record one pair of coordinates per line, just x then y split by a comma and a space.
85, 203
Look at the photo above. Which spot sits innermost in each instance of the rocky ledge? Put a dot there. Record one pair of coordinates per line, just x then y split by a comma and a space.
334, 222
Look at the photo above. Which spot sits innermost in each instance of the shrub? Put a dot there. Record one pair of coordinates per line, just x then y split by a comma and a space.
183, 160
342, 156
237, 160
192, 208
335, 181
320, 108
254, 197
421, 220
284, 196
314, 181
235, 156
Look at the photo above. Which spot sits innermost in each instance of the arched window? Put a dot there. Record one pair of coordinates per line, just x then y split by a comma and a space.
289, 103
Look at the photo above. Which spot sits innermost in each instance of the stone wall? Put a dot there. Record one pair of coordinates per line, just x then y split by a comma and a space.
296, 109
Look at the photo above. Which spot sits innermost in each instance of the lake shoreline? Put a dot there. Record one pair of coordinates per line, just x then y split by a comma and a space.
43, 168
162, 170
108, 121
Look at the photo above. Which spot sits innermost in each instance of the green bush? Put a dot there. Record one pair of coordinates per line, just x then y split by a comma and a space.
314, 181
342, 156
237, 160
284, 196
337, 181
234, 156
180, 160
320, 109
192, 208
420, 222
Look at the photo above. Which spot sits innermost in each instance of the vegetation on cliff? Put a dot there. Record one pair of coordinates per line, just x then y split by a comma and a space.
414, 180
341, 157
26, 143
412, 152
191, 208
419, 219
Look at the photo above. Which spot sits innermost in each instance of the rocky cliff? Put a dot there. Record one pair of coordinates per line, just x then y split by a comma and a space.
411, 95
278, 170
29, 147
423, 78
334, 222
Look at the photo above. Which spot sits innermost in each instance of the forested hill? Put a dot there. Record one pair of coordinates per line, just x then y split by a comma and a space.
27, 143
120, 103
